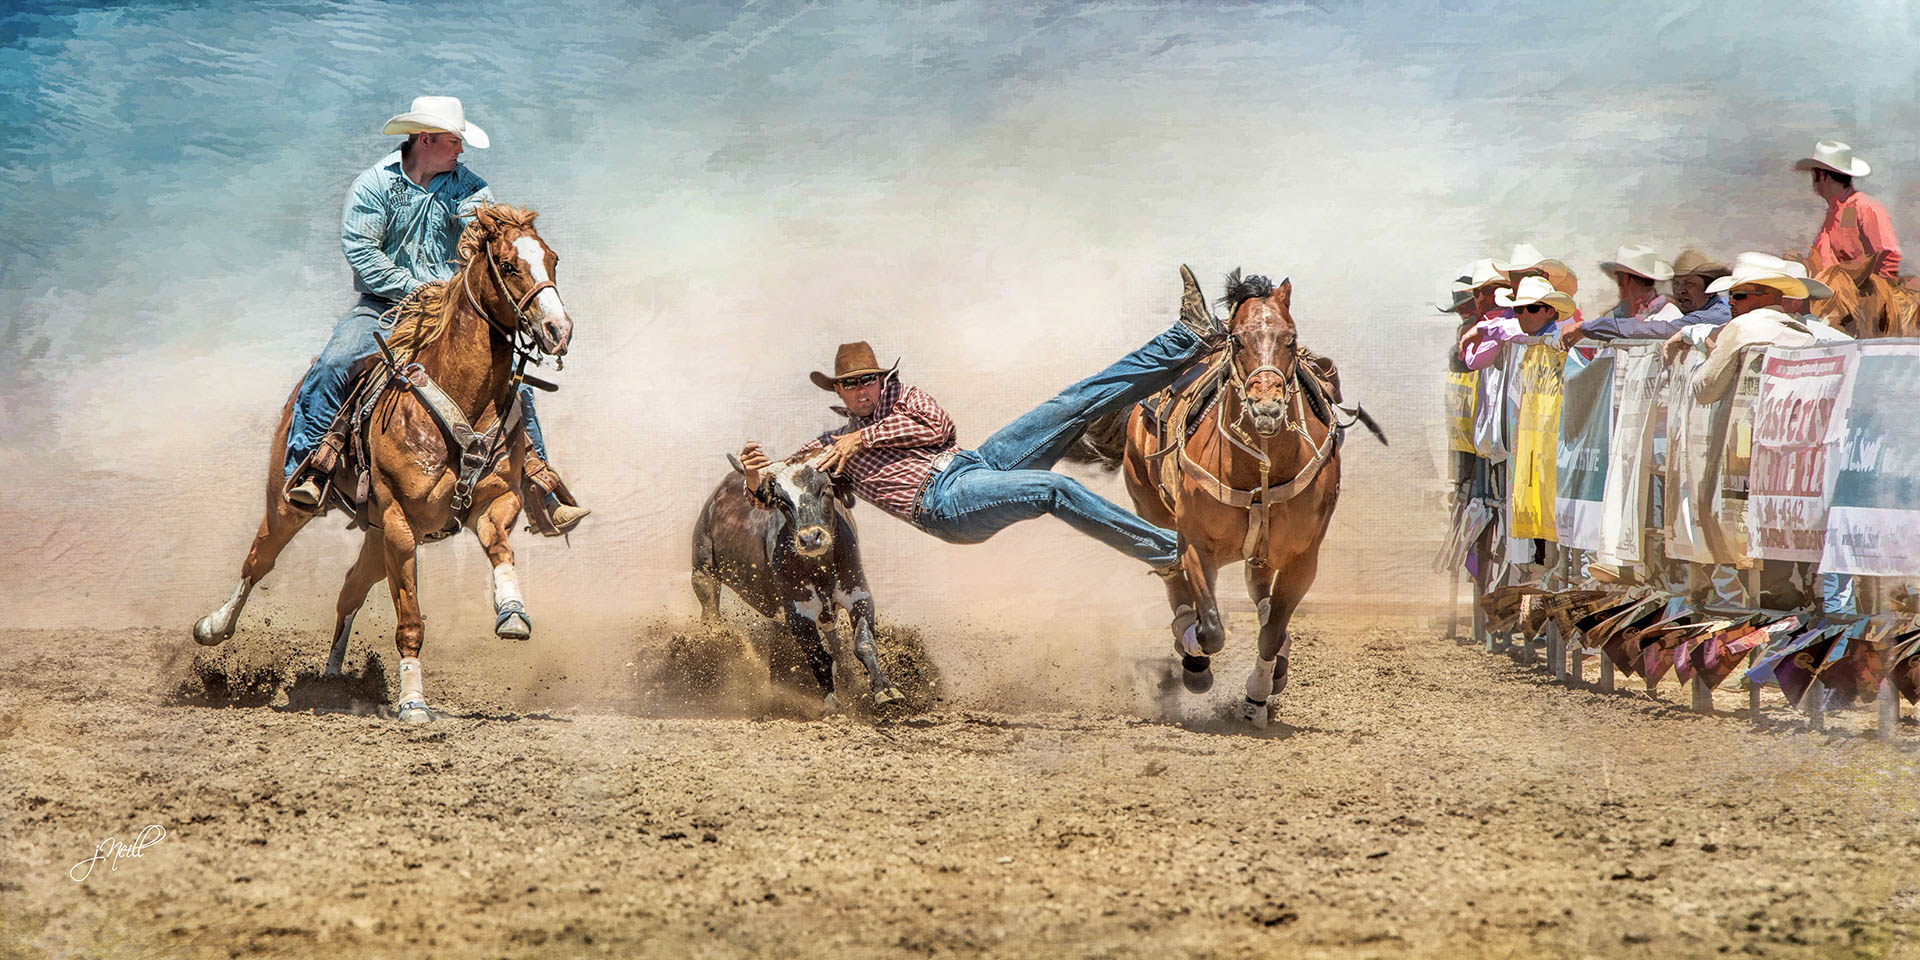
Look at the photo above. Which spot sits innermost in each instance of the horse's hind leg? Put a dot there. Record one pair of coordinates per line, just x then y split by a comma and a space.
492, 527
276, 529
368, 569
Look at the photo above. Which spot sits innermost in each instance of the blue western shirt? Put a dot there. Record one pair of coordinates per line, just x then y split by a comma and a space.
398, 235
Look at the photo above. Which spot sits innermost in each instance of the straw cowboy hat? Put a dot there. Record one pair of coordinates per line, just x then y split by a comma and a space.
1526, 257
1766, 270
1638, 259
852, 360
1836, 156
438, 115
1537, 290
1691, 263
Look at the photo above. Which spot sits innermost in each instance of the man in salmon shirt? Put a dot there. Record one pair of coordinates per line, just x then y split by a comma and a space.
1857, 226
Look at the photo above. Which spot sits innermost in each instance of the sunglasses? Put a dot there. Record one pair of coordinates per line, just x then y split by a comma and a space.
1741, 295
1534, 308
859, 381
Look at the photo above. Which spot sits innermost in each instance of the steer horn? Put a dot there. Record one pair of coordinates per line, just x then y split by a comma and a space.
735, 461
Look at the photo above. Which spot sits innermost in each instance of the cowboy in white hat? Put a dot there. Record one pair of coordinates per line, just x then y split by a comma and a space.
1529, 261
1532, 308
1690, 304
1756, 289
400, 231
1857, 226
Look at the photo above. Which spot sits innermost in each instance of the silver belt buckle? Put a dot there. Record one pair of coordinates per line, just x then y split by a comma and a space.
941, 460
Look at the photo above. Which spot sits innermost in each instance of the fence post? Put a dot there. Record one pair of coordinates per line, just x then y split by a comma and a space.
1577, 671
1702, 695
1453, 605
1606, 674
1811, 702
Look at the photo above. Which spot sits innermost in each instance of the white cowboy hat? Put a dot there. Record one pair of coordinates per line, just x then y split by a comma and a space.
1537, 290
1836, 156
1766, 270
1815, 289
1484, 271
1639, 260
1527, 257
438, 115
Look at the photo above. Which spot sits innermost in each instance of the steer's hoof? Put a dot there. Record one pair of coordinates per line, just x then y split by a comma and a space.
1255, 712
887, 694
414, 711
831, 704
512, 625
1196, 674
204, 635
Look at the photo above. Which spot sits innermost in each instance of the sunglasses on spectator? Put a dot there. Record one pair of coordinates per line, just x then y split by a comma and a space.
1741, 294
859, 381
1534, 308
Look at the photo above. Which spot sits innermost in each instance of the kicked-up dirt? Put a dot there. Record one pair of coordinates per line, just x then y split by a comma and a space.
654, 797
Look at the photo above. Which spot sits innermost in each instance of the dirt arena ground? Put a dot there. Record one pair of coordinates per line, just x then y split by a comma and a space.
1420, 799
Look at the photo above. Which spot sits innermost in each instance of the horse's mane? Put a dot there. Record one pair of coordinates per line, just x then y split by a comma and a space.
1838, 309
425, 316
1240, 290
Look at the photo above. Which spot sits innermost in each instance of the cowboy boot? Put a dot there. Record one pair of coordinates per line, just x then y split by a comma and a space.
1194, 312
551, 511
307, 489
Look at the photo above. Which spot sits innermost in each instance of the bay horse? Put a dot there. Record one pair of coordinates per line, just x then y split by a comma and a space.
463, 342
1255, 480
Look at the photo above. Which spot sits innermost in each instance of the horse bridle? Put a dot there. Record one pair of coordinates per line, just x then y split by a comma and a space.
525, 343
1290, 386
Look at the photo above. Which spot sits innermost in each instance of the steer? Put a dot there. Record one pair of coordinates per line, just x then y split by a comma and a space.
790, 553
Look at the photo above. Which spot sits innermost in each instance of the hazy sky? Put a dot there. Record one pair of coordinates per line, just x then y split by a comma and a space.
1000, 193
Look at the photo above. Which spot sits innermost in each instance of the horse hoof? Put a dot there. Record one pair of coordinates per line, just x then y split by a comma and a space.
513, 625
1196, 674
414, 711
204, 635
1255, 712
887, 694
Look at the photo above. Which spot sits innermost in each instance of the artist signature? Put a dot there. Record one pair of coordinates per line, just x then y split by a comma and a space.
111, 851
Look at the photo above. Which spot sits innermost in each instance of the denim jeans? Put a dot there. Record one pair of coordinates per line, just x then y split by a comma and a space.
1010, 477
325, 386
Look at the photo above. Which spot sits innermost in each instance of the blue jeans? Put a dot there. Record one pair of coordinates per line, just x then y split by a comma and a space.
1010, 477
325, 386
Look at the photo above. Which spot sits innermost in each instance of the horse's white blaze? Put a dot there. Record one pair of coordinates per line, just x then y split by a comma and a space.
506, 585
536, 260
1260, 681
811, 607
411, 689
846, 599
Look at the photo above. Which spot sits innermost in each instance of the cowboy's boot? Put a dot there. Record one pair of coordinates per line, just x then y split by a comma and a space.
551, 511
1195, 314
307, 486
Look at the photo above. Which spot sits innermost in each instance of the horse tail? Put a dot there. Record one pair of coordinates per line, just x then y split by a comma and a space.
1104, 443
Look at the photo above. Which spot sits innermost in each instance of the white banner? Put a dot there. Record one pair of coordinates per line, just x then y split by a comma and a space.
1689, 439
1639, 380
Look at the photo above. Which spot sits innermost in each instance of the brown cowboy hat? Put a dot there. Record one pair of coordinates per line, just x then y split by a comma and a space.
852, 360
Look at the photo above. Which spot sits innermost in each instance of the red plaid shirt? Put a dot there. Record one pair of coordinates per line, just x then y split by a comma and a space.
907, 430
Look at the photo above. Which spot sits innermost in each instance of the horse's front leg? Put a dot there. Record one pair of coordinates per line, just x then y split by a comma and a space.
1276, 594
491, 526
409, 627
858, 602
366, 571
1208, 634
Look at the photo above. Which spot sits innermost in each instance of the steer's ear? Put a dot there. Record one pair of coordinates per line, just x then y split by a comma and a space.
843, 489
735, 461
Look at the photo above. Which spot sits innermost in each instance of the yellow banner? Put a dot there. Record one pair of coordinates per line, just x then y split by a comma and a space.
1463, 390
1536, 439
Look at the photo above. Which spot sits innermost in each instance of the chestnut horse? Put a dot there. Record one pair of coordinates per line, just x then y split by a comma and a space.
1256, 480
469, 335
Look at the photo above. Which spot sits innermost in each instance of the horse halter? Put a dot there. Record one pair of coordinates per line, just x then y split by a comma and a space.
520, 337
1289, 386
